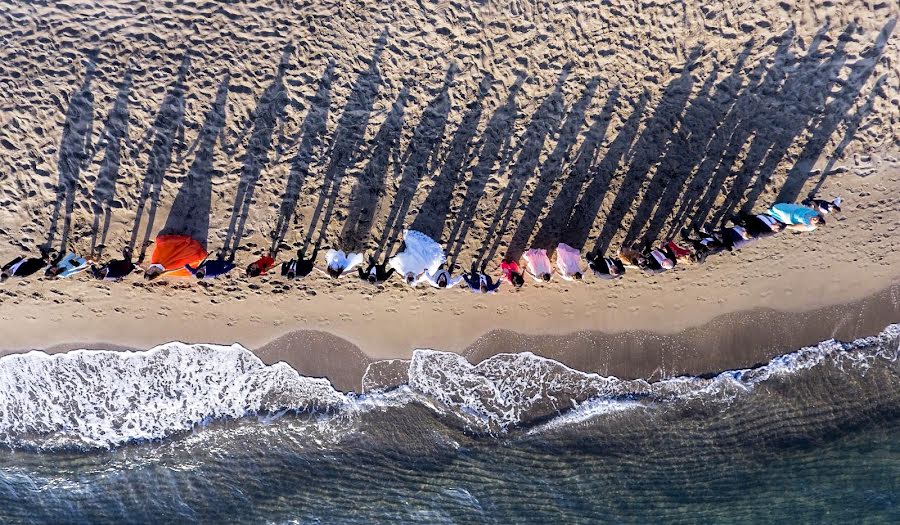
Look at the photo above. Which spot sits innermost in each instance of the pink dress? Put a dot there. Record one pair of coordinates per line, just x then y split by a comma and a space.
538, 263
568, 260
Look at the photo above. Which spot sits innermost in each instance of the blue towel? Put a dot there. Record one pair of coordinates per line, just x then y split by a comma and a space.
790, 213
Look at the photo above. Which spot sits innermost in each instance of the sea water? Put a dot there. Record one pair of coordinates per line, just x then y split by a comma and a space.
202, 433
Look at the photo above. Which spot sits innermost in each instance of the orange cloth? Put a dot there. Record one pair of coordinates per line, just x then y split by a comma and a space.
172, 252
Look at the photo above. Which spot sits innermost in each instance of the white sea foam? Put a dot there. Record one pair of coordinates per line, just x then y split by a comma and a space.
102, 398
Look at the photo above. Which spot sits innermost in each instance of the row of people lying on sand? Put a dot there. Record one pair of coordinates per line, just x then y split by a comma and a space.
423, 259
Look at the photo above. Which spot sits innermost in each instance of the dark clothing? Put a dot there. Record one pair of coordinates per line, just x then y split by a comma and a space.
380, 272
23, 268
300, 267
757, 226
602, 266
474, 281
653, 265
211, 268
733, 240
113, 270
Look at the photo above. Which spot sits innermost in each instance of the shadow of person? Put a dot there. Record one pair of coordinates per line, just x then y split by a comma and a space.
113, 137
346, 141
493, 148
166, 129
370, 185
270, 112
190, 211
312, 132
74, 154
419, 160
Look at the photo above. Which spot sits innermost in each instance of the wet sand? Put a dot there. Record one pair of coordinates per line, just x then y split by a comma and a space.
732, 341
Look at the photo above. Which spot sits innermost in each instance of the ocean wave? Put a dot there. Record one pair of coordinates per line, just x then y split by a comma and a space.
91, 398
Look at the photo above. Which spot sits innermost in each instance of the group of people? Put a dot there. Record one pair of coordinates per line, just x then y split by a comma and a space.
423, 260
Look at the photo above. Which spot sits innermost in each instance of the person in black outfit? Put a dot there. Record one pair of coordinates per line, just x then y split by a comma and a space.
375, 273
760, 225
301, 266
22, 267
704, 245
605, 267
114, 270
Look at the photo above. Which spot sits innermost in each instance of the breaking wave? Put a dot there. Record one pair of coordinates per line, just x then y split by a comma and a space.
99, 399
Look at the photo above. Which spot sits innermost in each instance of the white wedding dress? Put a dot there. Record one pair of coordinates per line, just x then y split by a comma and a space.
568, 260
421, 254
338, 259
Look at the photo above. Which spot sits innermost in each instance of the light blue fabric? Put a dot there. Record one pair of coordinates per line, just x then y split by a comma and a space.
790, 213
71, 264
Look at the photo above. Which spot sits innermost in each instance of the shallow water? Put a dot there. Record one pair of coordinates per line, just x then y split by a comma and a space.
813, 436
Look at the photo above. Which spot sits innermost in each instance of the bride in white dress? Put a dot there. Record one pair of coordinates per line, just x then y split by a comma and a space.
421, 254
340, 264
568, 261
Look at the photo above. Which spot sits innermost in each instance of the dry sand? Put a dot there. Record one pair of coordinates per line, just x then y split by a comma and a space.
490, 126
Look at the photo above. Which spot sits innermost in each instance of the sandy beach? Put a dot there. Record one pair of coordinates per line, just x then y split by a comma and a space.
492, 128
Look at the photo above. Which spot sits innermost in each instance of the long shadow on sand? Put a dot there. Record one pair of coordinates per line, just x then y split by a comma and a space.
369, 187
419, 160
166, 129
191, 209
545, 122
268, 115
74, 154
571, 215
112, 139
347, 139
435, 211
550, 171
494, 152
312, 132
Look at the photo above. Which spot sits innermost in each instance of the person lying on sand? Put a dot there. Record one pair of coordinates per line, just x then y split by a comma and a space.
260, 266
116, 269
568, 262
301, 266
657, 261
339, 264
822, 206
66, 266
631, 257
605, 267
676, 252
440, 279
420, 254
172, 254
480, 282
760, 225
538, 264
797, 217
512, 273
375, 273
704, 245
24, 267
735, 237
211, 268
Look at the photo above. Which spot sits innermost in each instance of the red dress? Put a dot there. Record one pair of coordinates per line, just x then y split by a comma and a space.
509, 268
265, 263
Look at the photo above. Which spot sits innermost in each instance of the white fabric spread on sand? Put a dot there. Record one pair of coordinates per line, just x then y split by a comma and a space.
568, 260
538, 262
421, 254
338, 259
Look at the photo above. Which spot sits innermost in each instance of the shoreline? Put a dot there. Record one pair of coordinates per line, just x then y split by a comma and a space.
730, 341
